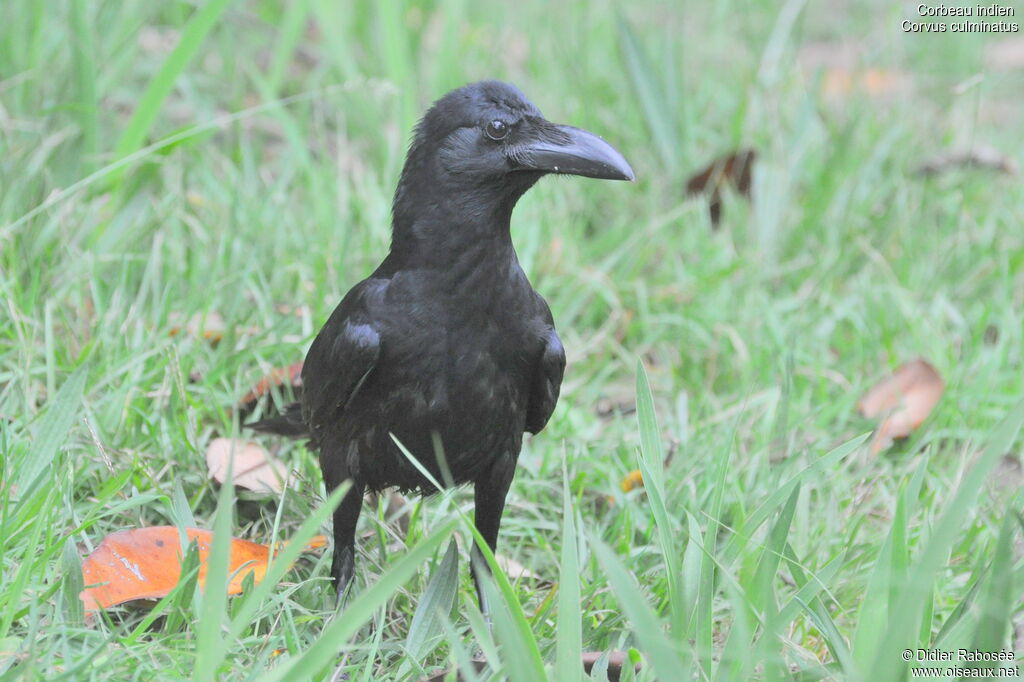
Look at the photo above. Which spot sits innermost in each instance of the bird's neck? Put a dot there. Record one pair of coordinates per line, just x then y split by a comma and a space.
459, 232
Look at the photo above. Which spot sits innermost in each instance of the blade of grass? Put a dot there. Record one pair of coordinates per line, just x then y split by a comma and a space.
762, 590
692, 560
51, 434
518, 647
210, 643
86, 108
182, 603
483, 636
181, 511
810, 588
874, 610
463, 659
114, 169
569, 629
653, 102
292, 25
282, 562
176, 599
346, 623
955, 622
819, 614
511, 626
662, 652
705, 620
650, 460
736, 660
437, 601
72, 585
911, 603
994, 621
781, 493
192, 36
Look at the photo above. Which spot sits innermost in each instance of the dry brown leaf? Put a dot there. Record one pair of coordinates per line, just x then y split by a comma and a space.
516, 571
732, 169
979, 156
908, 396
253, 467
145, 563
278, 377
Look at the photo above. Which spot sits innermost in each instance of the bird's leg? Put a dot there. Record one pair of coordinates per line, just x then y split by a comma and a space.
345, 518
489, 497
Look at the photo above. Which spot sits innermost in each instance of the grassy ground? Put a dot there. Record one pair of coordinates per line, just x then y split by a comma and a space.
159, 162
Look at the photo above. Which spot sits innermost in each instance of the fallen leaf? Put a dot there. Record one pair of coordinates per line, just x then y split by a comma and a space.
516, 571
276, 378
733, 169
253, 467
631, 481
209, 326
145, 563
845, 70
634, 479
840, 83
979, 156
907, 396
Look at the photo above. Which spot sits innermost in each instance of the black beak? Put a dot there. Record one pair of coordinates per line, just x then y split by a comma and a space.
571, 151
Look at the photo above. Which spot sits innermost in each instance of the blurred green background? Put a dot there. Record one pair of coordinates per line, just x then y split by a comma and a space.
232, 164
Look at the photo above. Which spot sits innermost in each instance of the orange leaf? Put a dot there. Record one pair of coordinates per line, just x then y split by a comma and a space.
145, 563
908, 396
253, 467
209, 326
842, 82
279, 376
631, 481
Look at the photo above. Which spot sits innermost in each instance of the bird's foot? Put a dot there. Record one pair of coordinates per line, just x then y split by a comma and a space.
342, 568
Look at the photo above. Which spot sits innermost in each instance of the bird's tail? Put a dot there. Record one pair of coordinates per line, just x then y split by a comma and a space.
288, 423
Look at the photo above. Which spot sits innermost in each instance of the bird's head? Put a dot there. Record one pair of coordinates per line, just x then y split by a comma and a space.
486, 144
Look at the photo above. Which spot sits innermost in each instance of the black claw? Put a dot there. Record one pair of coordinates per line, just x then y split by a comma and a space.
481, 571
342, 570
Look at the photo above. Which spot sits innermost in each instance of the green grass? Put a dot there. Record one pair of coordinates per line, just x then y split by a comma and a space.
165, 160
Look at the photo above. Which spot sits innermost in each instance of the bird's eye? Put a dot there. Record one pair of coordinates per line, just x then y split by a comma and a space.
496, 130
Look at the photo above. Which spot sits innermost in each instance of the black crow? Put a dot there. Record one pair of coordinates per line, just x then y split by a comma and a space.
446, 345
